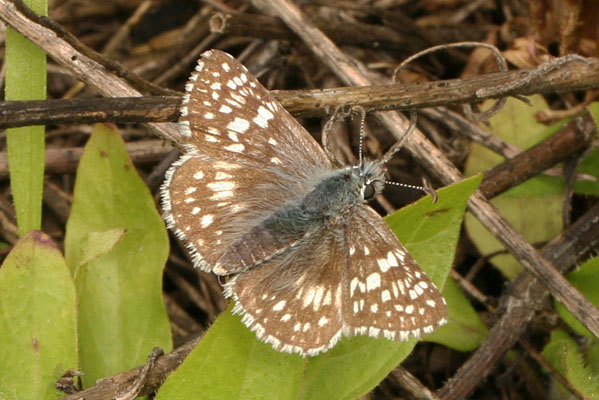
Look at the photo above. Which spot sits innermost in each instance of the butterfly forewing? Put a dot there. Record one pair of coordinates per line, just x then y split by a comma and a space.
228, 115
211, 204
386, 293
241, 162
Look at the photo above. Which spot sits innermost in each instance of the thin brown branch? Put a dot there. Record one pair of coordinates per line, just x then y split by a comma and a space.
523, 297
569, 140
88, 111
302, 102
342, 32
66, 159
412, 385
308, 103
109, 388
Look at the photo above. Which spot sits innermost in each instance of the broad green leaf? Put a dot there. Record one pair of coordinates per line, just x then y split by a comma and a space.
465, 330
586, 280
95, 244
231, 353
533, 207
563, 355
26, 80
592, 357
231, 363
38, 327
118, 280
589, 165
594, 110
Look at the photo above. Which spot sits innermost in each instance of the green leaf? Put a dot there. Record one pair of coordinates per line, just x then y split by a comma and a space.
588, 165
119, 280
586, 280
592, 357
533, 207
95, 244
231, 363
563, 355
594, 110
26, 80
231, 353
465, 330
37, 320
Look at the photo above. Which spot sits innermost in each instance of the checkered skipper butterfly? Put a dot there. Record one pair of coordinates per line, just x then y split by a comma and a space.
256, 199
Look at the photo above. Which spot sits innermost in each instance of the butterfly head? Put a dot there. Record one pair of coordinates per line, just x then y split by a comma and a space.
371, 178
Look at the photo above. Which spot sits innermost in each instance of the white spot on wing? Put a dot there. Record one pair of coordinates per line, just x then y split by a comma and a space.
263, 117
221, 185
225, 109
286, 317
352, 286
391, 260
235, 148
206, 220
385, 296
224, 165
373, 281
383, 264
225, 194
239, 125
220, 175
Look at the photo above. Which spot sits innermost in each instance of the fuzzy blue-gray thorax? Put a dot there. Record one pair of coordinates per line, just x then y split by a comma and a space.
338, 192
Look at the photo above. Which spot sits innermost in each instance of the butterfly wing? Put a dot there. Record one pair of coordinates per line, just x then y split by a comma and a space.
246, 157
228, 115
292, 301
385, 293
357, 279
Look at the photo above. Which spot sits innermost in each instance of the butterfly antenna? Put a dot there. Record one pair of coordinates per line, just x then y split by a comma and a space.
427, 190
326, 130
395, 148
362, 113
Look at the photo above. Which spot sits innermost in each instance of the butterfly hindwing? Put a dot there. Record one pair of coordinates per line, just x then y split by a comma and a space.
291, 301
386, 293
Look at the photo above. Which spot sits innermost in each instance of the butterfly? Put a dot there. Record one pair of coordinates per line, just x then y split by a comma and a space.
256, 199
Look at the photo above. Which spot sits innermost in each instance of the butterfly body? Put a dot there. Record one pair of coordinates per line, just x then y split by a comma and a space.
257, 200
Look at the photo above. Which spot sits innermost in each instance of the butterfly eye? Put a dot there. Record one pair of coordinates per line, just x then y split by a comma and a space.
369, 191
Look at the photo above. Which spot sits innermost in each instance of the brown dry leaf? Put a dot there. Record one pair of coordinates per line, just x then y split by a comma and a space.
526, 53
